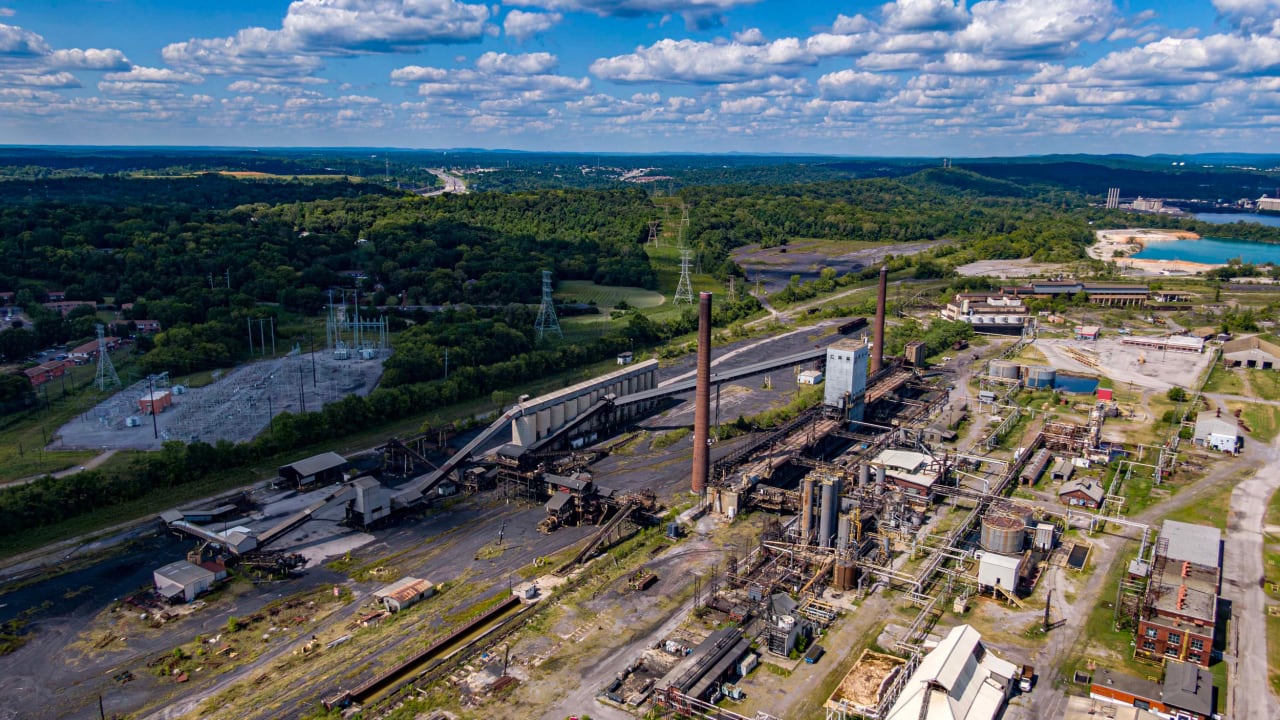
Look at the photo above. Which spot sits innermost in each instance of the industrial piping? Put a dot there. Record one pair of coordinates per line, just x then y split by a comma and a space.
877, 353
702, 398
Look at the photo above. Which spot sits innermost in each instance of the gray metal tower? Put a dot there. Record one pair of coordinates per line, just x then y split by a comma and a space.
684, 288
547, 323
684, 227
107, 377
653, 232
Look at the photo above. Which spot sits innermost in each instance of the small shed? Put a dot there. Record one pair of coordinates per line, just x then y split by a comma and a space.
1062, 470
1081, 493
995, 569
626, 358
155, 402
182, 581
809, 377
404, 592
319, 469
1088, 332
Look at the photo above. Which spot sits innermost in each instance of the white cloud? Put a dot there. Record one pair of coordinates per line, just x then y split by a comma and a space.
47, 80
846, 25
633, 8
523, 25
924, 15
142, 74
750, 36
16, 42
7, 12
91, 59
691, 61
854, 85
1033, 29
526, 64
1250, 15
251, 51
497, 84
314, 28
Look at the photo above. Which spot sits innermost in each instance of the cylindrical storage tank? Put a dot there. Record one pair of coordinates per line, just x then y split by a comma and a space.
844, 575
806, 510
827, 514
1003, 369
842, 534
880, 474
864, 474
1003, 534
1040, 376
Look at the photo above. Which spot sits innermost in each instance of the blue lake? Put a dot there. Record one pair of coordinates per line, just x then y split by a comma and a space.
1211, 250
1226, 218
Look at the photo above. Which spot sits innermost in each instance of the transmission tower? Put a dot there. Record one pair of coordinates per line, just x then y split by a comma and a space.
107, 377
653, 232
684, 225
684, 289
547, 323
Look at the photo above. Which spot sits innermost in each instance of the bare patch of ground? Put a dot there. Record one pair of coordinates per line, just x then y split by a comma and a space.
773, 267
1023, 267
1125, 364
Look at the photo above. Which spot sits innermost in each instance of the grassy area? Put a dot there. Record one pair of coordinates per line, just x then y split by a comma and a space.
1263, 420
23, 436
1211, 509
1265, 383
608, 296
1273, 652
1102, 642
1224, 381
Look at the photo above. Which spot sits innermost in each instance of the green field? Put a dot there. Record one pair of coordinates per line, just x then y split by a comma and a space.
1224, 381
1264, 383
607, 296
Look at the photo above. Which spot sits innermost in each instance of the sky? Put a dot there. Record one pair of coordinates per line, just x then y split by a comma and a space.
908, 77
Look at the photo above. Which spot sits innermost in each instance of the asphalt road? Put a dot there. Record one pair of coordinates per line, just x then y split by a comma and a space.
1243, 579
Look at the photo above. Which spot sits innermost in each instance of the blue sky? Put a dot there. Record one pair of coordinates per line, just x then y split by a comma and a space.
908, 77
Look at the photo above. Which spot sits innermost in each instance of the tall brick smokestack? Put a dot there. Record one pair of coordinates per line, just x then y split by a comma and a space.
877, 353
702, 398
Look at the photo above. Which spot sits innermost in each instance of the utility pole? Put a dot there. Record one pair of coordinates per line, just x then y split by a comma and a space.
302, 397
314, 381
155, 425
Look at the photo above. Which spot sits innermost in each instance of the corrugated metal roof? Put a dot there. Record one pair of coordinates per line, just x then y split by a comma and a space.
184, 573
317, 464
404, 589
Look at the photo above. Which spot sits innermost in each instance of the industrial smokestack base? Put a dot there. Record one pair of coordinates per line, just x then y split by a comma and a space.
702, 398
877, 352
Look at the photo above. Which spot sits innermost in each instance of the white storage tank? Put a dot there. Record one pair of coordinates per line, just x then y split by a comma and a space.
1003, 369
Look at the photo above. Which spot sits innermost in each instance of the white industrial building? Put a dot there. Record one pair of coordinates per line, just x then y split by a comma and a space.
960, 679
996, 570
809, 377
846, 381
1218, 433
182, 580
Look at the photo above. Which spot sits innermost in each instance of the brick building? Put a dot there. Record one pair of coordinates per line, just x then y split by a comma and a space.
1180, 606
